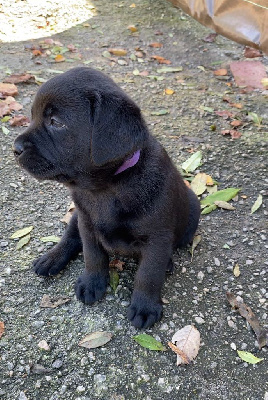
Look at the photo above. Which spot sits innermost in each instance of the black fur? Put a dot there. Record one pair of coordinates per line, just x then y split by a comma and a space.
83, 128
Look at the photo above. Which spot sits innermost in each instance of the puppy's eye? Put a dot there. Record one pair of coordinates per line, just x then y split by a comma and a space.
57, 124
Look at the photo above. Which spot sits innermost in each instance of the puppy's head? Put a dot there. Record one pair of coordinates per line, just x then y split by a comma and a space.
82, 122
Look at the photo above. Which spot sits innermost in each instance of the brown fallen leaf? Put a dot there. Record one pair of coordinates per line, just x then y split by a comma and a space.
4, 109
210, 38
236, 123
19, 78
19, 120
232, 132
95, 339
117, 264
8, 89
247, 313
69, 213
221, 72
252, 53
118, 52
48, 302
225, 114
161, 60
187, 343
156, 45
36, 52
169, 91
2, 328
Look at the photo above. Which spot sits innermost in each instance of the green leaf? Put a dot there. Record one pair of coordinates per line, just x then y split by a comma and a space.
114, 279
257, 204
149, 342
248, 357
255, 118
226, 246
21, 232
52, 238
208, 209
209, 109
6, 118
160, 112
192, 162
156, 78
220, 195
169, 69
23, 241
5, 130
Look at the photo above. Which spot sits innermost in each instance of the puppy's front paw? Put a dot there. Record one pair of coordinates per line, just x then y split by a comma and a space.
50, 263
143, 311
91, 287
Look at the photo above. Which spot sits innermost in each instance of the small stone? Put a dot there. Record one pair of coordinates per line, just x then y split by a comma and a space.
57, 364
22, 396
200, 276
80, 389
231, 324
43, 345
233, 346
98, 378
209, 270
161, 381
125, 303
183, 270
217, 262
199, 320
4, 244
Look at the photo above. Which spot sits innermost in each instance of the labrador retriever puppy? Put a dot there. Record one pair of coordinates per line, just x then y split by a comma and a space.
130, 199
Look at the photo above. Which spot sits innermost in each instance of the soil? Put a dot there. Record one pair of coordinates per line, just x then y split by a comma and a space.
196, 292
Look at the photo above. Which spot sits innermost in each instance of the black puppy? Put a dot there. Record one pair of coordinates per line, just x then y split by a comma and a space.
130, 199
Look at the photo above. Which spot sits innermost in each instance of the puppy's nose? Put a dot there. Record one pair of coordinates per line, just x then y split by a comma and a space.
18, 148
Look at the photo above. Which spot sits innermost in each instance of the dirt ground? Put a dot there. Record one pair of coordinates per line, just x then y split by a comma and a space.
184, 120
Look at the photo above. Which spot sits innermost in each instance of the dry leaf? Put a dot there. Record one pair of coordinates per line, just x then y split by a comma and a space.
161, 60
232, 132
187, 183
59, 58
236, 122
236, 271
252, 53
19, 120
198, 184
196, 241
221, 72
169, 91
187, 343
118, 52
132, 28
224, 204
117, 264
67, 217
209, 181
156, 45
247, 313
8, 89
19, 78
48, 302
95, 339
236, 105
2, 328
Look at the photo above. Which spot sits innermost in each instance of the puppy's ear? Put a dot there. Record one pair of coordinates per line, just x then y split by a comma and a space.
118, 129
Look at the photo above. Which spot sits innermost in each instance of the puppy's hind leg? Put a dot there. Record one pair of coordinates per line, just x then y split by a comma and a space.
194, 215
56, 259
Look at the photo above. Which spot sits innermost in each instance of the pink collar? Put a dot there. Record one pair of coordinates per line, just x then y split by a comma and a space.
130, 162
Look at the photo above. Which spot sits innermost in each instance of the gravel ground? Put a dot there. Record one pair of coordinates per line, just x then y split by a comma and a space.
196, 292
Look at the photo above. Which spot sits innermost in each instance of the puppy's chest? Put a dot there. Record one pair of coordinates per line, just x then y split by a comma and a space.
113, 225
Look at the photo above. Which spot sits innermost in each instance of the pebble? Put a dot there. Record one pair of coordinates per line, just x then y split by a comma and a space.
43, 345
80, 389
217, 262
199, 320
57, 364
22, 396
99, 378
233, 346
200, 276
38, 324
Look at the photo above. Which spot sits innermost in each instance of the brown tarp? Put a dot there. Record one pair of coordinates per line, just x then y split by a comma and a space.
243, 21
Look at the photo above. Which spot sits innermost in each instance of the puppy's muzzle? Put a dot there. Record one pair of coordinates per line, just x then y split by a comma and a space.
18, 147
